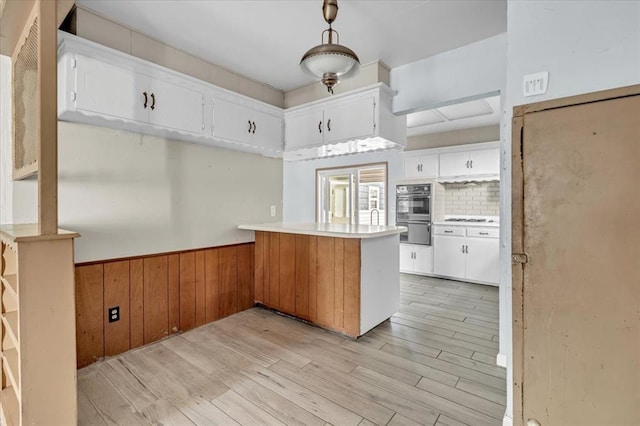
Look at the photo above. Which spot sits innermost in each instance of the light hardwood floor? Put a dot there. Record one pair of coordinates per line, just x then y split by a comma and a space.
433, 363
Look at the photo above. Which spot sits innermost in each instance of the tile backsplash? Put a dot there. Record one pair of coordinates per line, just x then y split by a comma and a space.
481, 198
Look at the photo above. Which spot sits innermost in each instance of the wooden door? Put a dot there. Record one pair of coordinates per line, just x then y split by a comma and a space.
576, 302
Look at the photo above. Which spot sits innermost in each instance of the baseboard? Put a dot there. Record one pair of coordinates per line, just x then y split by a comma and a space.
507, 421
501, 360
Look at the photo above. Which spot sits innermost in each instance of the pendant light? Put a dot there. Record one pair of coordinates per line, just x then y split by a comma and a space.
330, 61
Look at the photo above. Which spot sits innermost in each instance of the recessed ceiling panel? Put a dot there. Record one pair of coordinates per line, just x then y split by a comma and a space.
422, 118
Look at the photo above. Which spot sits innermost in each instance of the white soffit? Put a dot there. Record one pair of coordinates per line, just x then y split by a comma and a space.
465, 115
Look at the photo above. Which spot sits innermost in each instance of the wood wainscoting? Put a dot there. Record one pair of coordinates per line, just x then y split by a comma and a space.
158, 295
313, 278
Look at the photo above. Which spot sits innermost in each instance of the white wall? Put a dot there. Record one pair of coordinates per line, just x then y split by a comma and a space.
300, 177
586, 46
469, 72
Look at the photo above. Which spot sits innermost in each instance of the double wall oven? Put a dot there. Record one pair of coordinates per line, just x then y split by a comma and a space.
413, 210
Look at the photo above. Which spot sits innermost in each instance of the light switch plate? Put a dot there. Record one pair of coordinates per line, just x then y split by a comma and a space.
273, 211
535, 84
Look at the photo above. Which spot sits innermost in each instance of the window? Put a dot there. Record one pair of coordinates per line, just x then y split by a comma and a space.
352, 195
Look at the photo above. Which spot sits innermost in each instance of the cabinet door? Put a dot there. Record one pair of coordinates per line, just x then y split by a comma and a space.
485, 161
483, 259
110, 90
406, 258
429, 166
454, 164
423, 262
231, 121
304, 129
349, 120
267, 131
176, 107
448, 258
412, 167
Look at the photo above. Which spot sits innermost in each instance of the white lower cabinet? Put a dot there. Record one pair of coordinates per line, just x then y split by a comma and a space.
471, 254
416, 259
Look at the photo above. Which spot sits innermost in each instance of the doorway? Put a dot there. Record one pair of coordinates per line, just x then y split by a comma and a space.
352, 195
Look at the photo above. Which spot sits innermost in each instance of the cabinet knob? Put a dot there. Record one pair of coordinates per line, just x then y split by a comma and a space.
254, 127
471, 164
467, 164
146, 99
249, 131
463, 249
329, 125
319, 126
153, 101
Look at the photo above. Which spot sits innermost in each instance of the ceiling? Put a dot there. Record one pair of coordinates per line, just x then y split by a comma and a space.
265, 39
465, 115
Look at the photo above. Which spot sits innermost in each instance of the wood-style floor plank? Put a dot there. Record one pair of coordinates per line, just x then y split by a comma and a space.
432, 363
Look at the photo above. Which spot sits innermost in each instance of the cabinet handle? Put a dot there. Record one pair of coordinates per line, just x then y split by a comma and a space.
329, 125
467, 164
254, 127
448, 232
319, 126
463, 248
146, 99
249, 131
418, 167
153, 100
484, 233
471, 164
466, 249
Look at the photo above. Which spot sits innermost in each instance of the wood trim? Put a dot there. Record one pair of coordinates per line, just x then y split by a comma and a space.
620, 92
158, 296
517, 246
165, 253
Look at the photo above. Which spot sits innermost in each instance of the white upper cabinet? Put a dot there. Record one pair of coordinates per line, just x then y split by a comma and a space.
242, 124
101, 86
469, 163
425, 166
304, 128
353, 122
175, 107
352, 119
109, 90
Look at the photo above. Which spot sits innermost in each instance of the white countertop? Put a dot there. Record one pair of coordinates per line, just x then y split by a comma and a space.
327, 229
470, 224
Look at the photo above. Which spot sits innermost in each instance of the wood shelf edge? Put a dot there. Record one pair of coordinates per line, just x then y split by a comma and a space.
10, 320
10, 406
11, 282
31, 232
10, 357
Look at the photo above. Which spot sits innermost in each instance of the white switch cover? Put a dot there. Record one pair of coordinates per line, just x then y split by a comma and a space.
273, 211
535, 84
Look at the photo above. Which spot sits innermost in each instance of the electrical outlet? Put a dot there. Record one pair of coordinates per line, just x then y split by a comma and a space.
273, 211
535, 84
114, 314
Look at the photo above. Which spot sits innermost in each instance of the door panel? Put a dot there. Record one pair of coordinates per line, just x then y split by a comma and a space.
268, 131
176, 107
483, 260
406, 258
231, 121
581, 292
454, 164
349, 120
423, 264
107, 89
412, 167
448, 258
485, 161
305, 129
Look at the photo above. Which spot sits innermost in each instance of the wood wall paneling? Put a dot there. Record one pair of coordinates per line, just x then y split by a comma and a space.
302, 276
228, 285
287, 280
352, 267
274, 270
200, 288
338, 284
266, 268
89, 309
187, 291
173, 278
116, 293
136, 302
156, 302
325, 285
211, 284
313, 278
245, 277
259, 267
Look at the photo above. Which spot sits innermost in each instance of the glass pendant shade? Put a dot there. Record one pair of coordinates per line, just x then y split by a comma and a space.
330, 61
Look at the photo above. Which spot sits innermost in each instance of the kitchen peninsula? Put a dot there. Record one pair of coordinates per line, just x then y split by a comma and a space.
341, 277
